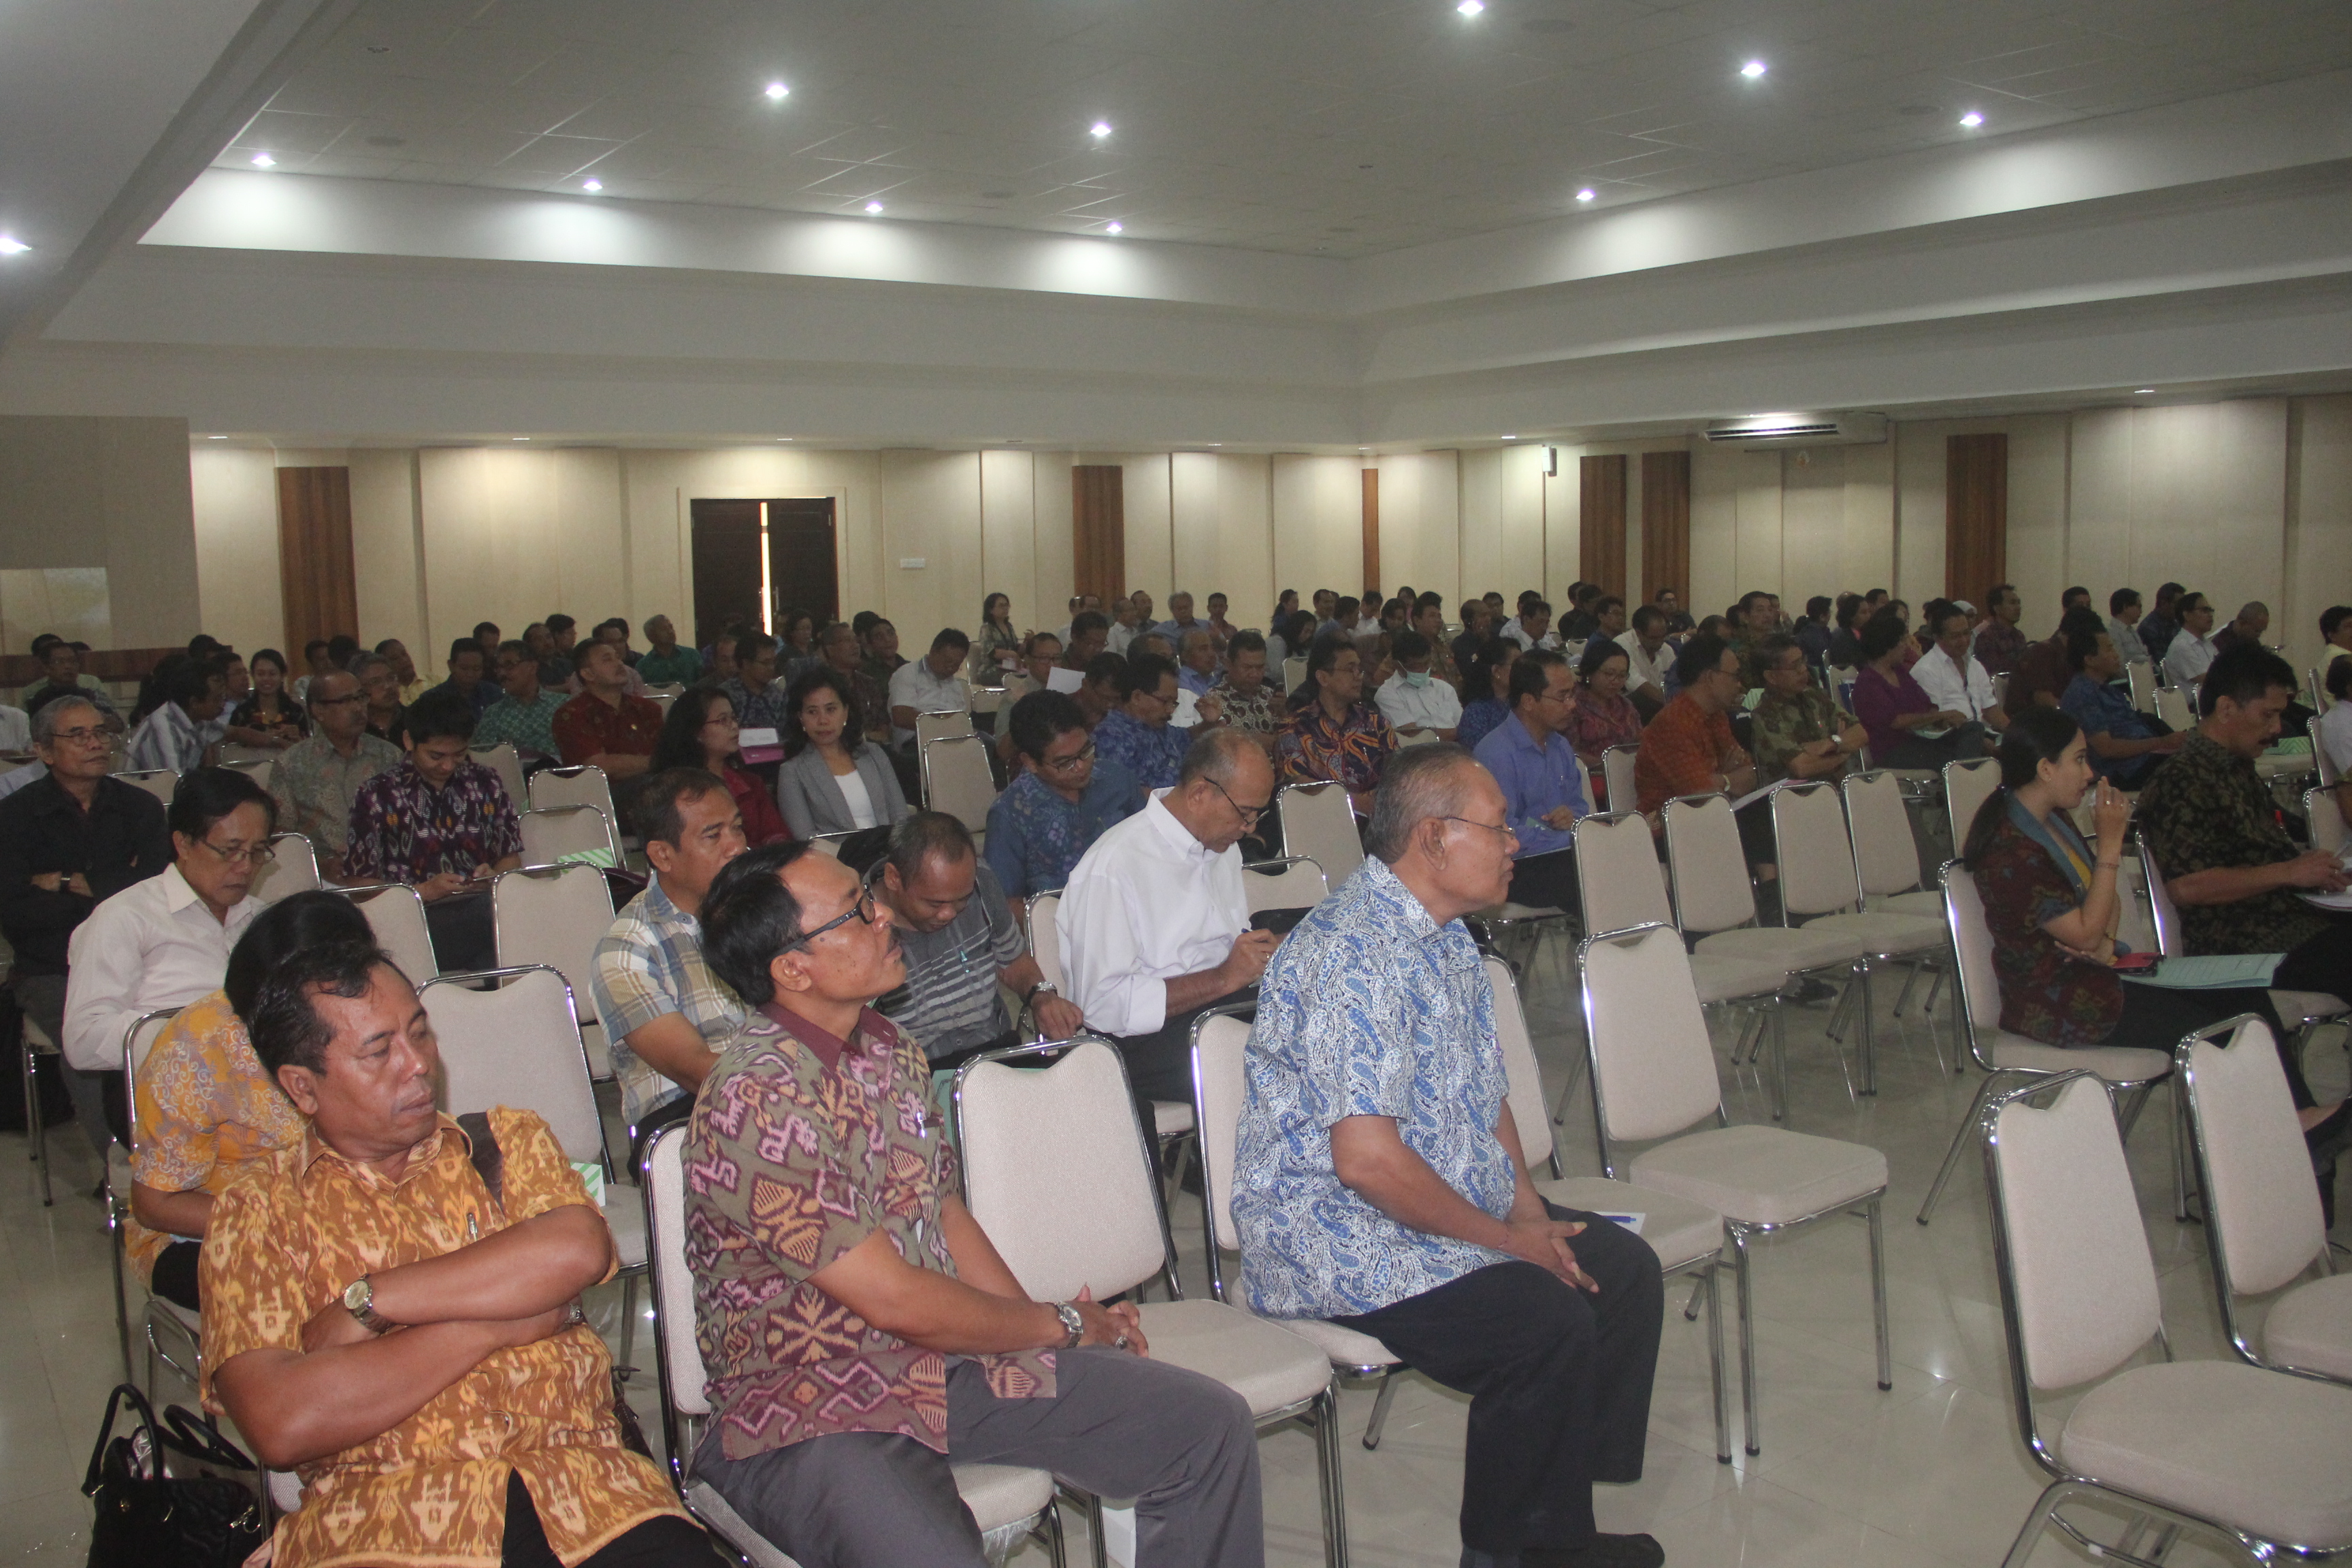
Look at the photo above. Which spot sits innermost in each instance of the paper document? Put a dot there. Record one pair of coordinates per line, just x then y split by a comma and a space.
593, 1173
2341, 900
1753, 796
1060, 679
2209, 972
1188, 709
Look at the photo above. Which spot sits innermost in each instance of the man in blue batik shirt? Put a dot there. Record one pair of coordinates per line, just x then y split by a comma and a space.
1542, 782
1378, 1183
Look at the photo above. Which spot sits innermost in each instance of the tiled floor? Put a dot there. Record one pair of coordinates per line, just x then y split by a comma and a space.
1928, 1475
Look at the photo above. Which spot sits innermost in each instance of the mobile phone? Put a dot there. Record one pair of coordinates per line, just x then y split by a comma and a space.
2137, 961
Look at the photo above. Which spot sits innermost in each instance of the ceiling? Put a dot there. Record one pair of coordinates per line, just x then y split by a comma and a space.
1323, 127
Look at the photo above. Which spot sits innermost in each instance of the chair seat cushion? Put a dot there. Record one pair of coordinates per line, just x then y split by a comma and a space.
1510, 912
998, 1496
2245, 1448
1720, 979
1678, 1230
2116, 1064
2294, 1007
1257, 1358
1340, 1345
1763, 1175
624, 1217
2310, 1327
1885, 934
1772, 944
1926, 904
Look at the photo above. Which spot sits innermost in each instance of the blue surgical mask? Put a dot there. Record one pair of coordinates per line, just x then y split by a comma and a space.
1416, 678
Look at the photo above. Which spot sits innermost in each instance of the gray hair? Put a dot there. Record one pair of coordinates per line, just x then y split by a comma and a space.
49, 718
1215, 755
1417, 784
1197, 634
922, 837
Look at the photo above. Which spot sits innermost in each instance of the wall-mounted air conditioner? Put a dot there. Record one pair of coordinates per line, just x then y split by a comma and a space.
1763, 430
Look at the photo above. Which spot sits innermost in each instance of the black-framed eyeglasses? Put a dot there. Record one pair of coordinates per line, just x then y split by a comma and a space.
1072, 762
82, 737
1249, 813
259, 855
863, 910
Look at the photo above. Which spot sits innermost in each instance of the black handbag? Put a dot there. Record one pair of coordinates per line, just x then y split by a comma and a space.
147, 1518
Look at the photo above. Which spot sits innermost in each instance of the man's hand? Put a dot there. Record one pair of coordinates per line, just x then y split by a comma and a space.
79, 883
1742, 780
1561, 817
1951, 718
1058, 1016
1544, 1243
1252, 951
1118, 1325
2168, 744
1822, 748
440, 884
2318, 869
1211, 710
48, 882
332, 1325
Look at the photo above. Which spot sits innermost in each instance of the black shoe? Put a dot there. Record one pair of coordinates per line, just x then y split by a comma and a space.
1601, 1552
2330, 1138
1809, 990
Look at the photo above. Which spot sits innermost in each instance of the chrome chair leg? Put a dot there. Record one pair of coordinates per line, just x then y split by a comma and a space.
1878, 1297
1902, 997
1334, 1503
1715, 1365
1742, 1283
1960, 1141
1690, 1305
1869, 1032
1381, 1402
1049, 1523
628, 1315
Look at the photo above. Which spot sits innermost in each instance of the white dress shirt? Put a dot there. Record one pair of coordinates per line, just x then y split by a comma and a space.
1147, 903
912, 684
1117, 638
1641, 669
154, 944
2126, 641
1433, 705
2186, 659
1951, 689
2336, 737
1518, 634
16, 729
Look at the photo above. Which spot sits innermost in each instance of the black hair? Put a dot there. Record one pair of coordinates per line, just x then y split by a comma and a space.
1296, 631
481, 627
1409, 645
1607, 602
557, 624
1144, 672
1646, 617
1771, 646
2070, 593
2339, 679
2186, 604
655, 812
2330, 619
1598, 652
316, 645
342, 648
205, 796
1817, 607
1244, 642
2245, 674
1532, 676
388, 644
2081, 618
2122, 599
748, 917
1993, 595
315, 917
1086, 621
1348, 610
2082, 645
1747, 600
853, 727
1702, 653
1880, 633
2036, 735
285, 1025
1104, 667
921, 837
1849, 606
1537, 606
680, 743
1479, 677
460, 646
1040, 718
864, 621
438, 715
951, 638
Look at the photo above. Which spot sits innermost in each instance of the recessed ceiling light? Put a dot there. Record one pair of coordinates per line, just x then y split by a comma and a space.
2142, 391
264, 161
1099, 128
215, 437
592, 186
783, 437
1752, 69
873, 206
1972, 120
1511, 438
1586, 195
1217, 443
1114, 227
522, 437
777, 92
12, 245
1471, 7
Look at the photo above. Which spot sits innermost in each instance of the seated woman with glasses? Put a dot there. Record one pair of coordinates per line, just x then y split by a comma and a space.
201, 1107
701, 732
1064, 799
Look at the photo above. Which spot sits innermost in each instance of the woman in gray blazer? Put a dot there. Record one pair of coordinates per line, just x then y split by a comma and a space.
832, 780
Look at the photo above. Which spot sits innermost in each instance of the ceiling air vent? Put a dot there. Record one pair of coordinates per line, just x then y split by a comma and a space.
1802, 430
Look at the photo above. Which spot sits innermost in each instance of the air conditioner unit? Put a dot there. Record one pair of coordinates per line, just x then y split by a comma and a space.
1765, 430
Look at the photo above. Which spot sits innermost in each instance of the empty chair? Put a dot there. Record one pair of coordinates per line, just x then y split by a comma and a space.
2328, 775
1653, 1078
929, 727
1296, 883
1057, 1173
1171, 1118
292, 867
1319, 822
157, 782
502, 759
2175, 707
549, 835
1617, 772
2212, 1444
584, 785
2323, 810
557, 917
257, 769
397, 914
1966, 785
1885, 853
1006, 1500
957, 779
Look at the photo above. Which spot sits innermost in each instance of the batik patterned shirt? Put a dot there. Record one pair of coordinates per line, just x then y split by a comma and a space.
1258, 712
760, 709
588, 727
526, 726
1370, 1008
2207, 808
1035, 836
1148, 753
1785, 725
1311, 749
800, 1147
405, 830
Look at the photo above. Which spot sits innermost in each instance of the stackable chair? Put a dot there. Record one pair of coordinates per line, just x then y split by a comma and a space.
2252, 1455
2329, 775
1294, 882
1007, 1502
502, 759
258, 769
162, 1318
1171, 1118
1058, 1173
1653, 1079
957, 780
929, 727
2263, 1221
583, 785
1966, 785
1617, 772
2326, 819
37, 1044
2175, 707
158, 782
292, 867
557, 916
1319, 822
550, 833
1886, 863
2142, 677
2137, 1069
395, 913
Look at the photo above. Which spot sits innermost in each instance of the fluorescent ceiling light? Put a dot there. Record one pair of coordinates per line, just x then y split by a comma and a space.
873, 206
777, 92
2142, 391
1752, 69
1971, 120
522, 437
11, 246
1471, 7
215, 437
1114, 227
1586, 195
264, 161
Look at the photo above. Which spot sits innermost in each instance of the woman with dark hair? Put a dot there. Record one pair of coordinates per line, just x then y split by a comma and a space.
1893, 710
796, 647
201, 1107
996, 637
1288, 640
1605, 715
833, 779
270, 717
1488, 682
1332, 732
700, 733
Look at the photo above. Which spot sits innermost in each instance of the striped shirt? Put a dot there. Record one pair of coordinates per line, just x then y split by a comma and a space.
950, 1002
648, 966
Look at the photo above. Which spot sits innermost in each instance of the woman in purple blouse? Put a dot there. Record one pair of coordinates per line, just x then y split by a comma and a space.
1893, 710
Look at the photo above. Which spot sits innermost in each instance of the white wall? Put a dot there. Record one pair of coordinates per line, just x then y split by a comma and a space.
108, 492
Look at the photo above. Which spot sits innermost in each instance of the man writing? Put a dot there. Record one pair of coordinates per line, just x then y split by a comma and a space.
1378, 1183
441, 823
317, 780
1245, 700
932, 684
1063, 799
1542, 785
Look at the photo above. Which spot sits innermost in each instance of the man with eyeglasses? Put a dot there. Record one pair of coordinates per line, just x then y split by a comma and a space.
1155, 923
1687, 749
1542, 782
961, 945
315, 780
1137, 734
1065, 798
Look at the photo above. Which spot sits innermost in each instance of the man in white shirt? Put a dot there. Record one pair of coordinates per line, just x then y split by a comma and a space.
1368, 612
2122, 625
1125, 625
931, 684
1533, 628
1647, 658
2192, 647
1155, 924
1413, 700
1949, 672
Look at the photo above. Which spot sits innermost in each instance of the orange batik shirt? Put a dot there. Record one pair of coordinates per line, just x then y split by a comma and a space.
431, 1493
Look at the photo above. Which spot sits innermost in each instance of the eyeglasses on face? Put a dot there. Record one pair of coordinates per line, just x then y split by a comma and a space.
1249, 813
81, 737
1500, 828
259, 855
1072, 762
863, 910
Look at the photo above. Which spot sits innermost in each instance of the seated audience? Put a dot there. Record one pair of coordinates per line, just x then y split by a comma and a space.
2043, 672
1486, 688
1543, 788
160, 941
174, 734
1532, 628
1477, 626
2335, 630
441, 823
1155, 925
1647, 660
524, 714
2192, 648
486, 638
2161, 624
316, 782
1604, 716
1378, 1183
554, 664
1060, 802
2126, 745
667, 664
932, 684
962, 946
604, 725
468, 676
1196, 659
1429, 620
1181, 618
69, 841
61, 665
404, 1332
758, 702
404, 669
1221, 628
1798, 731
381, 687
202, 1109
700, 731
2252, 624
1098, 695
1998, 644
1040, 652
1813, 633
1754, 619
796, 649
879, 638
1245, 699
1678, 621
1845, 643
1126, 621
270, 717
1137, 734
1088, 638
1413, 699
1895, 711
664, 1015
1698, 755
834, 778
1951, 675
2122, 625
898, 1292
845, 656
1332, 734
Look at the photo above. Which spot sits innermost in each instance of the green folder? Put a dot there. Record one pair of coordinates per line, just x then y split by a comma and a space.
2211, 971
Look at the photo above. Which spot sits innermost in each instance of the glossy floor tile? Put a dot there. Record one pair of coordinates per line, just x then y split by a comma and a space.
1928, 1475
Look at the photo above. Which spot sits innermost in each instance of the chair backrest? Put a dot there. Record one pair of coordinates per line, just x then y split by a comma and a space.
677, 1354
2320, 701
516, 1044
257, 769
139, 1037
2323, 810
2174, 707
1530, 1113
503, 759
1617, 871
1842, 679
2142, 678
1296, 883
292, 867
661, 699
1293, 670
1617, 763
929, 727
397, 914
1966, 785
1318, 822
233, 755
1709, 871
158, 782
555, 831
956, 777
2161, 909
1045, 936
2263, 1216
1885, 855
1811, 846
1220, 1051
1060, 1174
2329, 773
1972, 941
582, 786
1653, 1063
2078, 1284
551, 917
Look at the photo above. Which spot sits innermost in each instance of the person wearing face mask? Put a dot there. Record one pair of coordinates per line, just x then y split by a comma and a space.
1543, 787
1412, 700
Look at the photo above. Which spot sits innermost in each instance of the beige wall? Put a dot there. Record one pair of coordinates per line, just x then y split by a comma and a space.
108, 492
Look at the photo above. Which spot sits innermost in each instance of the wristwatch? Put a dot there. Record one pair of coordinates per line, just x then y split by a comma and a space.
359, 1300
1071, 1321
1043, 988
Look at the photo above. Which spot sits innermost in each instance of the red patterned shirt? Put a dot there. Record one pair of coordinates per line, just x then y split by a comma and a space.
1311, 749
405, 830
588, 727
800, 1147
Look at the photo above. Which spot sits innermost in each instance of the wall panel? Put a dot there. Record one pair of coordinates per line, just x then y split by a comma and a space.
1318, 523
1420, 524
931, 513
235, 499
1008, 539
2319, 524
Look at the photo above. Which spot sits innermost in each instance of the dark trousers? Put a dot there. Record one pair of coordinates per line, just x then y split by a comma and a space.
98, 1098
1559, 1381
665, 1543
1547, 880
175, 1276
464, 937
1914, 751
1159, 1065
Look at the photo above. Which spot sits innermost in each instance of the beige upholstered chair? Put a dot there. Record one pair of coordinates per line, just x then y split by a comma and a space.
1968, 783
292, 867
397, 914
1295, 883
2143, 677
2328, 775
163, 1319
929, 727
557, 916
1653, 1079
2326, 819
2218, 1446
1059, 1173
158, 782
1171, 1118
257, 769
550, 833
1007, 1502
502, 759
1617, 772
2176, 708
1319, 822
1885, 853
957, 780
2262, 1222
